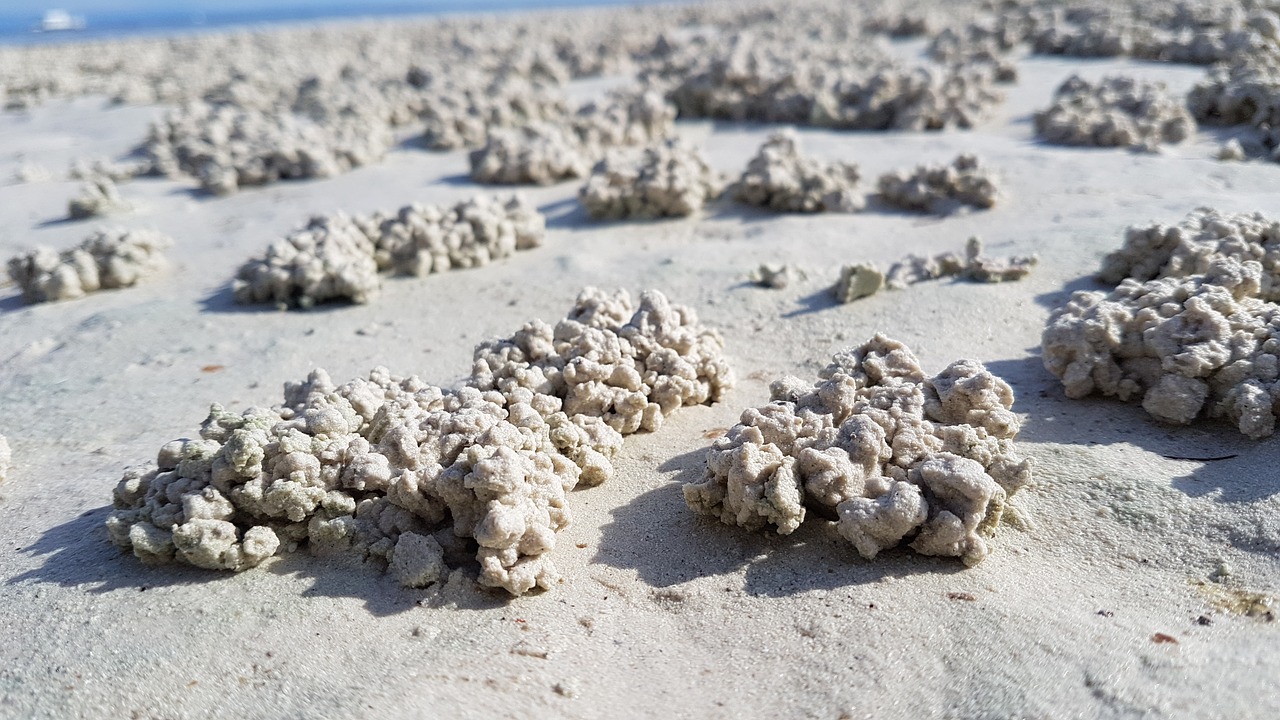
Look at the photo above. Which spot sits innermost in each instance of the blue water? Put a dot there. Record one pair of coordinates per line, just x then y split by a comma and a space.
124, 18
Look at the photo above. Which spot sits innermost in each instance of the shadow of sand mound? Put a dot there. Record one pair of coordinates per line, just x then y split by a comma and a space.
79, 554
667, 544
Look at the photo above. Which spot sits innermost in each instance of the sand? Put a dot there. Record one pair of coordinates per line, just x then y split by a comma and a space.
1101, 605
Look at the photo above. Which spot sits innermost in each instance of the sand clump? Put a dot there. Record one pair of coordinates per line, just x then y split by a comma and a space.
971, 264
115, 170
424, 239
540, 153
1191, 330
775, 276
903, 23
668, 179
1192, 245
107, 259
856, 282
30, 172
339, 257
227, 147
1192, 33
1244, 95
887, 454
1180, 33
984, 42
462, 113
331, 258
98, 196
399, 469
811, 70
864, 279
781, 178
940, 189
1114, 112
544, 153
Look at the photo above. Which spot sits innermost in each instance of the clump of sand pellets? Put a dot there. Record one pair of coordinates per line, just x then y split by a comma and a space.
775, 276
1192, 245
971, 264
540, 153
339, 257
398, 470
463, 112
820, 75
1192, 330
227, 146
98, 196
547, 152
117, 171
1244, 95
941, 189
780, 178
890, 455
107, 259
669, 179
864, 279
1114, 112
857, 281
331, 258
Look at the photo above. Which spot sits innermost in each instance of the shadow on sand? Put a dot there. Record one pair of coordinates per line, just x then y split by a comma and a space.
67, 220
461, 180
1057, 298
667, 544
1220, 461
12, 303
79, 554
817, 301
726, 208
223, 300
193, 192
567, 214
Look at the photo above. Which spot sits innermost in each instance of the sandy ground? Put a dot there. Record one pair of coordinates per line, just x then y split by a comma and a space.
662, 613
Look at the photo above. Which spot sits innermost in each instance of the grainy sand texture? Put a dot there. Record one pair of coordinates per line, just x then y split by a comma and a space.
1133, 576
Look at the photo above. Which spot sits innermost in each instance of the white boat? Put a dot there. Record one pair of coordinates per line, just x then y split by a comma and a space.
60, 21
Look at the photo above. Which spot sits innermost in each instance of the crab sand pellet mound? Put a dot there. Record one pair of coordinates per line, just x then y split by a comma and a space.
667, 179
543, 153
816, 68
941, 188
339, 257
781, 178
107, 259
398, 469
98, 196
1192, 329
1115, 111
890, 455
1191, 246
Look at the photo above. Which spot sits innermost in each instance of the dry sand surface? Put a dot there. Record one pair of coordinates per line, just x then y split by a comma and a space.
1120, 596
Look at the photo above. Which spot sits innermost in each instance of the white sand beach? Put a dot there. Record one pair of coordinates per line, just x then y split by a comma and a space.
1137, 583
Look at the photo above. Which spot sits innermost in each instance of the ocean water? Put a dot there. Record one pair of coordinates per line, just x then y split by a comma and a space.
125, 18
